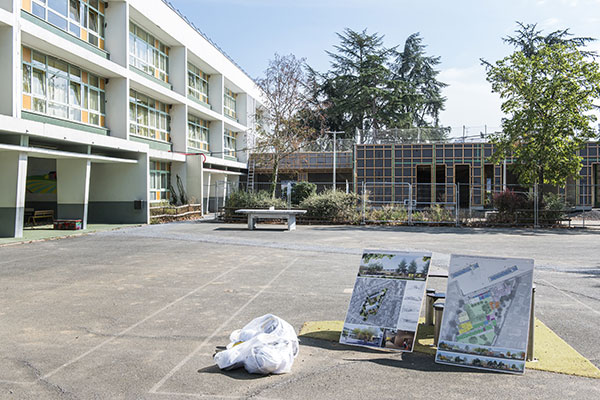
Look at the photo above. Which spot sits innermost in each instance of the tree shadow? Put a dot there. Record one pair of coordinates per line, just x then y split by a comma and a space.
410, 361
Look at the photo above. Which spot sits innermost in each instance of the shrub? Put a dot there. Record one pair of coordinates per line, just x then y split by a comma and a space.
302, 191
388, 213
509, 202
332, 205
261, 199
554, 208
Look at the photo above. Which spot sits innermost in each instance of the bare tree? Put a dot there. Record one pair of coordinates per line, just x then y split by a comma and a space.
280, 126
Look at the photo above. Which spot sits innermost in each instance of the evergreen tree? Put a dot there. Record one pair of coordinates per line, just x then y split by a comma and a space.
417, 99
356, 86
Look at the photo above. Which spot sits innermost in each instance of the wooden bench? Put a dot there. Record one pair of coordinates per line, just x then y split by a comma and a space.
41, 214
289, 215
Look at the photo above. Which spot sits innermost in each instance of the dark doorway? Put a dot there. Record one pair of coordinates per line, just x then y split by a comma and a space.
488, 182
462, 178
423, 185
440, 181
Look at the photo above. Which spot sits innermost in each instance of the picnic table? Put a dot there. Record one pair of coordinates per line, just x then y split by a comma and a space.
254, 214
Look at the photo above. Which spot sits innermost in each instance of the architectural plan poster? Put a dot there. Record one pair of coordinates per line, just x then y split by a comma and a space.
486, 316
386, 301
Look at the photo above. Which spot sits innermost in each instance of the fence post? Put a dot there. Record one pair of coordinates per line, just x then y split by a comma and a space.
457, 202
536, 209
364, 201
410, 203
530, 344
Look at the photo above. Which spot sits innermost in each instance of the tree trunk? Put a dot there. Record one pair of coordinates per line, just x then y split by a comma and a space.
273, 187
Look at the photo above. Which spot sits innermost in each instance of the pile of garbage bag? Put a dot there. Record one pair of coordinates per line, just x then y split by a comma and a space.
266, 345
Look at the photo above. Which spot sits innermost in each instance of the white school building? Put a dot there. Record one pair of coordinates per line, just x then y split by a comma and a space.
104, 103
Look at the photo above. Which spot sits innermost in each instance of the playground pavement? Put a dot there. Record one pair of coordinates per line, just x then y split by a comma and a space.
136, 313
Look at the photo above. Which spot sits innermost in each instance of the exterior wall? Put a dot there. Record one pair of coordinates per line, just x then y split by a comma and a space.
104, 173
386, 167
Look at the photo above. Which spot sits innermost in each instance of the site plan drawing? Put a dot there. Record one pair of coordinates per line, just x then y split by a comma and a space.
386, 300
486, 316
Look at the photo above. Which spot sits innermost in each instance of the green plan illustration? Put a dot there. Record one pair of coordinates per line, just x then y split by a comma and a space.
386, 300
487, 310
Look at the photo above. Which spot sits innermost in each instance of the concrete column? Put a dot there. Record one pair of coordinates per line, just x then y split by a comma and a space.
73, 188
10, 64
12, 196
7, 5
216, 89
179, 127
216, 138
117, 32
117, 107
178, 69
114, 190
195, 178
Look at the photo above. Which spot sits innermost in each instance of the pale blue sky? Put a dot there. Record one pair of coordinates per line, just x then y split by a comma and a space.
460, 32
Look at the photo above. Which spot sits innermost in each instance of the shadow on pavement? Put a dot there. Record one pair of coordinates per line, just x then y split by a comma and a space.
239, 374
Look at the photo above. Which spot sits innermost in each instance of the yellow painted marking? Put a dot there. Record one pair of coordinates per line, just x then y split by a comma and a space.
553, 354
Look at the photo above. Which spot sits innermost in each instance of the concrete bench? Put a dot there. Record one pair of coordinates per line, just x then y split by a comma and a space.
289, 215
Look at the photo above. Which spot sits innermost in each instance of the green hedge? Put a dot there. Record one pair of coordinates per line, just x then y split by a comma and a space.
333, 206
261, 199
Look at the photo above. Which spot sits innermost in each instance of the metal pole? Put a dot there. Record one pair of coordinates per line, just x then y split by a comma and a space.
289, 195
334, 159
410, 199
364, 202
208, 194
504, 176
457, 202
530, 341
536, 208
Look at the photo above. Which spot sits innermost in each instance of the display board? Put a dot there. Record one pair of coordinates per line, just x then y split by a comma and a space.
386, 301
485, 323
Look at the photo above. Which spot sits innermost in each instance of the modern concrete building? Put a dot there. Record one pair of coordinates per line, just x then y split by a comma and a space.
105, 103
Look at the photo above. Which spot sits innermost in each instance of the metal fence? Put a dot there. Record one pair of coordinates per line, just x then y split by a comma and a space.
404, 203
445, 203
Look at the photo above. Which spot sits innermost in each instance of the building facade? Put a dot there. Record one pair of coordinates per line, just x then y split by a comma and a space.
437, 171
107, 104
427, 173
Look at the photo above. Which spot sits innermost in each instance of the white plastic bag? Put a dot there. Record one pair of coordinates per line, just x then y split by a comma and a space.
267, 345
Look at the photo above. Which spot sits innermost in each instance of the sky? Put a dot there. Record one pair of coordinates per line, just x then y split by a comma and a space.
461, 32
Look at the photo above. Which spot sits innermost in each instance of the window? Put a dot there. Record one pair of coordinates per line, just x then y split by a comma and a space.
198, 133
160, 176
229, 147
56, 88
229, 103
197, 83
147, 53
148, 117
81, 18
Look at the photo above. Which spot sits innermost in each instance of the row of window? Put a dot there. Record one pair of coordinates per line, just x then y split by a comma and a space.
81, 18
85, 20
160, 175
229, 103
148, 117
56, 88
147, 53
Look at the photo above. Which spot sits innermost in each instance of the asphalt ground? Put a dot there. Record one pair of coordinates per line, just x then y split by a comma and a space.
137, 313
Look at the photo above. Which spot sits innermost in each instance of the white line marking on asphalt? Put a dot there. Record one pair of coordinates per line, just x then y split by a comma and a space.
203, 396
17, 382
573, 298
90, 351
217, 331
